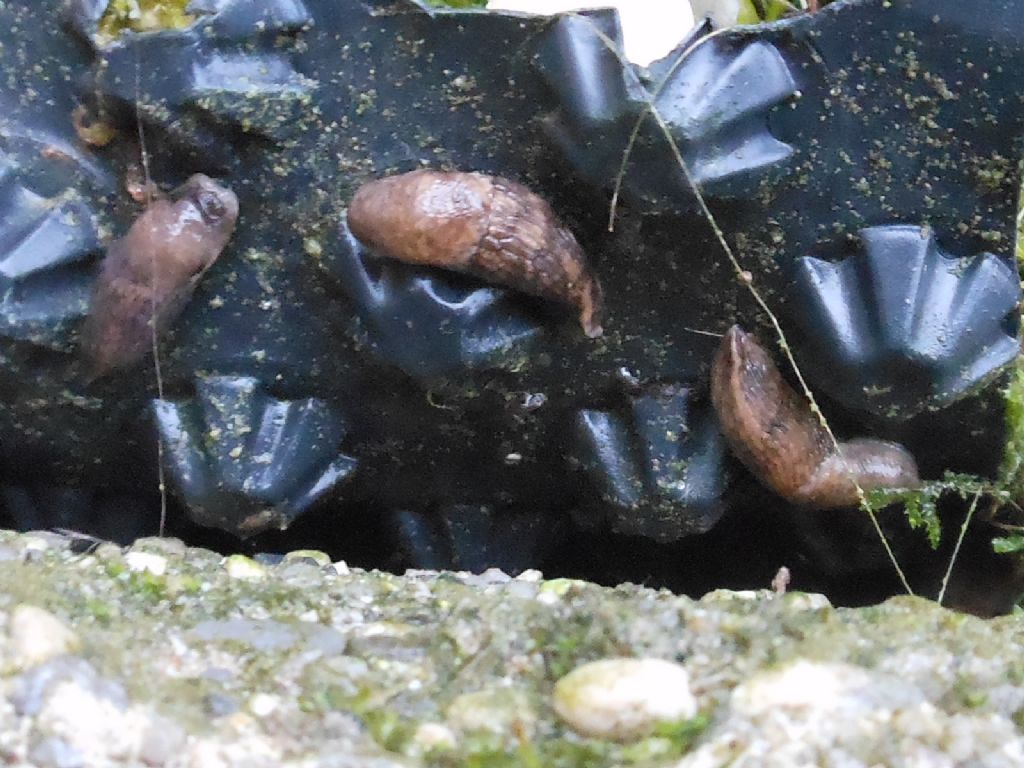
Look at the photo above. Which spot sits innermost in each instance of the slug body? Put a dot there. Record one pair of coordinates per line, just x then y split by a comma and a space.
486, 226
772, 430
148, 276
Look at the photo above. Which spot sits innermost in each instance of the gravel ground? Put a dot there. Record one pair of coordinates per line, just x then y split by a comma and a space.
162, 655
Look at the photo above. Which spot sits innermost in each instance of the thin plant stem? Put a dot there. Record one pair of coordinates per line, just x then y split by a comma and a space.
644, 113
956, 548
161, 480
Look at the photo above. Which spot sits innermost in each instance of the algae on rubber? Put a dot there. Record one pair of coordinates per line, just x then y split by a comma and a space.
143, 16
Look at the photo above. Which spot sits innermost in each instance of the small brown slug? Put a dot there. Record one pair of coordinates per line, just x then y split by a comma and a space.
486, 226
772, 430
148, 276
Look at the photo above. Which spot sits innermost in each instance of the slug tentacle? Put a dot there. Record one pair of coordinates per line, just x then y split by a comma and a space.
772, 430
485, 226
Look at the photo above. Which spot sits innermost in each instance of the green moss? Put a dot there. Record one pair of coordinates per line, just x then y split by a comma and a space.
100, 610
142, 16
529, 755
148, 585
1020, 233
1013, 456
683, 735
389, 729
488, 750
573, 754
330, 698
1011, 472
568, 645
757, 11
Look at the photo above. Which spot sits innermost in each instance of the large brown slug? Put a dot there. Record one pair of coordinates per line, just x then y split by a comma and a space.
148, 276
486, 226
772, 430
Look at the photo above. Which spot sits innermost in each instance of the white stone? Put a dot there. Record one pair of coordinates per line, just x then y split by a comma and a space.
244, 568
146, 562
263, 704
35, 543
320, 558
431, 736
37, 635
806, 601
161, 741
548, 598
624, 699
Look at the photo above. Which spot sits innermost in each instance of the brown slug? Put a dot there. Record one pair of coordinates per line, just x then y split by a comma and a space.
772, 430
148, 275
486, 226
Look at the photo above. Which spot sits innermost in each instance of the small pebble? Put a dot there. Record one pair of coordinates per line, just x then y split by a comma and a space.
268, 558
146, 562
302, 573
318, 557
162, 740
554, 591
244, 568
37, 636
489, 577
219, 705
734, 596
624, 699
107, 551
35, 544
807, 601
493, 710
263, 704
434, 736
161, 545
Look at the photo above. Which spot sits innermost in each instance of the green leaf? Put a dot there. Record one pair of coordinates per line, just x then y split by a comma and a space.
1005, 545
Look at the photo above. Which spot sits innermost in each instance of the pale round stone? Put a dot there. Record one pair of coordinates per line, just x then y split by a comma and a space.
37, 635
263, 704
243, 568
624, 699
147, 562
320, 558
434, 736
